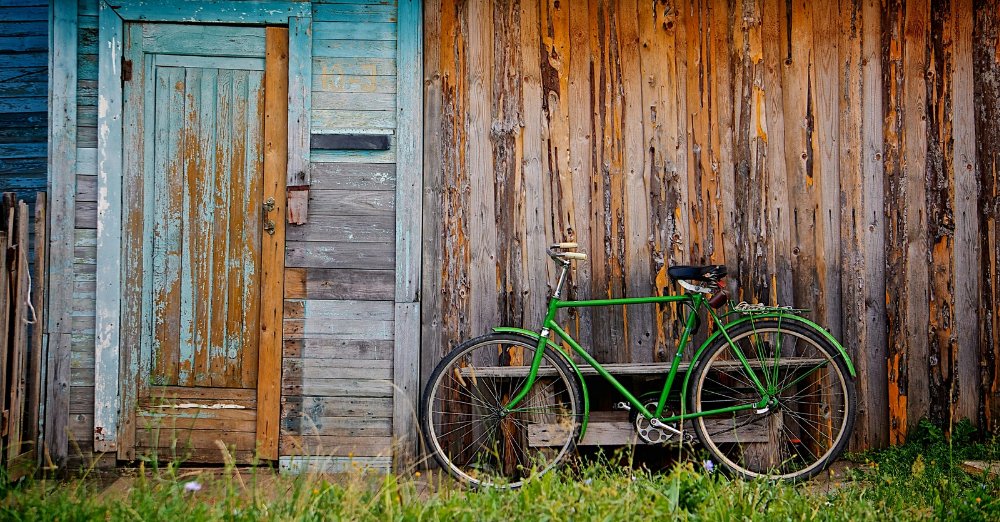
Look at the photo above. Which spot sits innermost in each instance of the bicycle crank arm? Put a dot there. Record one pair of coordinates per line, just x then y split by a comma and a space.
657, 424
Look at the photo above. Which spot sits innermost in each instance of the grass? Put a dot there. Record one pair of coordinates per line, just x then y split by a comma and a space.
917, 481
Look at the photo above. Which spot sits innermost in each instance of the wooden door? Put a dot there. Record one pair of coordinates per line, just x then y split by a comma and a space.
210, 228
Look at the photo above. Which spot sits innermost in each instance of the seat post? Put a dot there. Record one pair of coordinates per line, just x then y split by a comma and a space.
562, 278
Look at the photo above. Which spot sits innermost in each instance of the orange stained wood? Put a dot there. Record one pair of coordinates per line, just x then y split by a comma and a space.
271, 311
207, 244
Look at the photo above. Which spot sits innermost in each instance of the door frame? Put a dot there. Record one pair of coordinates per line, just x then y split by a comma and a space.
114, 403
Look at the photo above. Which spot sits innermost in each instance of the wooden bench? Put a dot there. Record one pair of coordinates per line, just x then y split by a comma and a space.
625, 369
612, 428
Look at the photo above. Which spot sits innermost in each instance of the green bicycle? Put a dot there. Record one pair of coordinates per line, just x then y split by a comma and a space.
768, 394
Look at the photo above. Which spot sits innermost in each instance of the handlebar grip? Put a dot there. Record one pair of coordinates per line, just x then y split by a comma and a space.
563, 245
574, 255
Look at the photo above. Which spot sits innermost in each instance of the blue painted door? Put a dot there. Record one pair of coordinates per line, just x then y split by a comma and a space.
194, 114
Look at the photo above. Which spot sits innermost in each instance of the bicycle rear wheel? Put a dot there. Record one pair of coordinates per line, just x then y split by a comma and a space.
808, 421
463, 415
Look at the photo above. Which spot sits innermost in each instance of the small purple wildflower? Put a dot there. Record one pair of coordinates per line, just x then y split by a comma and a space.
709, 466
587, 482
192, 486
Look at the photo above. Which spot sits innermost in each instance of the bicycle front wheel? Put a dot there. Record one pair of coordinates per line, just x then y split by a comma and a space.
808, 420
465, 422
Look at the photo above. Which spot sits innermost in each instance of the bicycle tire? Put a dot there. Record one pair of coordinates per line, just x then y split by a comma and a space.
490, 448
807, 425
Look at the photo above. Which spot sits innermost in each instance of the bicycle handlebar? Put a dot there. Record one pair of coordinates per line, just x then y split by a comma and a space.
554, 254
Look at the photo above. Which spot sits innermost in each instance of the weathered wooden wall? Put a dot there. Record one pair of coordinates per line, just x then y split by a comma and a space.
340, 266
835, 156
81, 396
340, 278
23, 96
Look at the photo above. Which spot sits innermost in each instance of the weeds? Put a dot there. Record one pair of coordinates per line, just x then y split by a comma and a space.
921, 480
927, 472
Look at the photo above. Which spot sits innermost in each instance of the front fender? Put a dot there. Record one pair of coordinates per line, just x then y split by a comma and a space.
583, 385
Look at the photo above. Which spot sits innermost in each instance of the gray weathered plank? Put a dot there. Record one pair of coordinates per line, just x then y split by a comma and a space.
109, 185
62, 180
353, 176
328, 254
967, 247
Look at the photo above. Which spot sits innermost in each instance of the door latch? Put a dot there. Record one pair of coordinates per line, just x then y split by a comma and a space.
269, 226
269, 204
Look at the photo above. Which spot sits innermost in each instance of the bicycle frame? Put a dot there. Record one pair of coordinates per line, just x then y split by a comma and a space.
696, 302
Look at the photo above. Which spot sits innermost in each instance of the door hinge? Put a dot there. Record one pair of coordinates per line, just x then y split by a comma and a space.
126, 70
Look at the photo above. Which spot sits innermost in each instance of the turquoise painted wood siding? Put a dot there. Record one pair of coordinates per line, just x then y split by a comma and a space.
23, 96
339, 308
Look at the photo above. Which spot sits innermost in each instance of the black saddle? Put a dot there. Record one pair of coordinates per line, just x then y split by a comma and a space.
710, 273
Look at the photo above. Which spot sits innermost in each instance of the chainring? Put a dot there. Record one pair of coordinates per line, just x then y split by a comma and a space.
646, 431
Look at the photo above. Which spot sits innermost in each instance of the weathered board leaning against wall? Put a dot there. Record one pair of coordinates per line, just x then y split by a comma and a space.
836, 156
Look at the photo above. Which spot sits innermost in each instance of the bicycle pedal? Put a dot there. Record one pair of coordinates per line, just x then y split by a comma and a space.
622, 406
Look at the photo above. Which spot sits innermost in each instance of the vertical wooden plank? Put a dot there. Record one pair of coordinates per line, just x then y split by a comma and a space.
409, 188
62, 190
580, 154
109, 220
482, 261
987, 88
677, 120
5, 304
917, 315
405, 390
36, 374
199, 176
873, 230
608, 191
724, 91
221, 107
638, 279
535, 262
139, 150
826, 165
276, 85
895, 208
167, 223
657, 30
18, 349
507, 140
940, 208
235, 95
409, 151
251, 250
851, 26
779, 216
455, 217
188, 184
799, 156
432, 233
967, 306
299, 108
